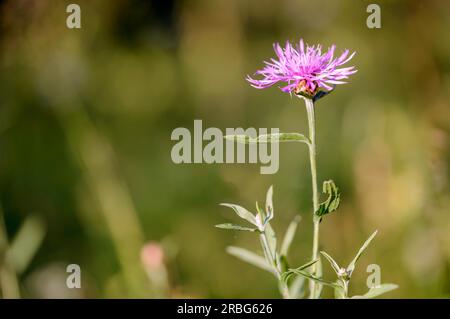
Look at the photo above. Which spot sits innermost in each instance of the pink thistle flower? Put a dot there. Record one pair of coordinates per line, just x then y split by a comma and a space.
305, 70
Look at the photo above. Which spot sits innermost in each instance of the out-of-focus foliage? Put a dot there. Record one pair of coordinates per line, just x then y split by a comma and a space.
86, 118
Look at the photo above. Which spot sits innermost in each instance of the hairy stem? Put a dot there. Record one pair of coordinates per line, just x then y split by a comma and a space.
312, 159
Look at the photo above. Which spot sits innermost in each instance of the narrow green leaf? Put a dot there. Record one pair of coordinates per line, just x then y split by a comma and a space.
283, 137
235, 227
309, 276
243, 213
250, 257
268, 138
289, 236
377, 291
332, 262
240, 138
308, 264
269, 204
332, 202
351, 266
289, 272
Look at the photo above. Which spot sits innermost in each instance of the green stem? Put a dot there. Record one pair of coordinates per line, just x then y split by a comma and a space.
312, 159
284, 290
345, 286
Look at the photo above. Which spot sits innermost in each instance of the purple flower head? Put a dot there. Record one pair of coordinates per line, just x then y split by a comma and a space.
305, 70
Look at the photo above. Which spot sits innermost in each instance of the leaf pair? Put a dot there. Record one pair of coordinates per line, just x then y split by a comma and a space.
260, 220
262, 226
344, 275
242, 213
275, 260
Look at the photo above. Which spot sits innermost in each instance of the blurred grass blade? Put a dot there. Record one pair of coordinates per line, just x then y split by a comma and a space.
26, 244
250, 257
9, 284
289, 236
234, 227
377, 291
351, 266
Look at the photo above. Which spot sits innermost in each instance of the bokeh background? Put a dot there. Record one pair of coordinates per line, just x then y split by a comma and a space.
86, 117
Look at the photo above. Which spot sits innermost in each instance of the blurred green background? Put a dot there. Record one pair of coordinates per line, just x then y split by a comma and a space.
86, 117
